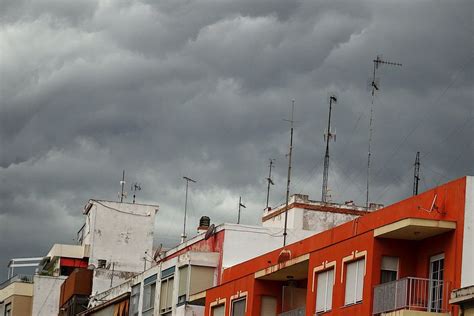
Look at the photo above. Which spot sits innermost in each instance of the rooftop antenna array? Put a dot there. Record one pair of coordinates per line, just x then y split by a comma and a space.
327, 137
416, 176
183, 235
240, 205
122, 194
135, 187
374, 87
269, 181
291, 121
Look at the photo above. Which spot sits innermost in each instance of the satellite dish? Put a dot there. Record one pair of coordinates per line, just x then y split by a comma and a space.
91, 267
157, 253
210, 232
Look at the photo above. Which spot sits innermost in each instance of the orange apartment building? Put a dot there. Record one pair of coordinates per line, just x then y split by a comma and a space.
404, 259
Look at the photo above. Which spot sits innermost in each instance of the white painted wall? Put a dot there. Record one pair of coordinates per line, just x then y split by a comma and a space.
46, 291
467, 272
242, 243
120, 233
189, 310
320, 221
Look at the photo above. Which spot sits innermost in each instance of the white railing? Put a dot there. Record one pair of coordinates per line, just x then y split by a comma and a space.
413, 294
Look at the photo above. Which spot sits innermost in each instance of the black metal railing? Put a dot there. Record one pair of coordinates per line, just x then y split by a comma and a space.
17, 278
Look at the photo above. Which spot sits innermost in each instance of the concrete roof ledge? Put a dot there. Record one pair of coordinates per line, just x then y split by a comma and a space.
414, 229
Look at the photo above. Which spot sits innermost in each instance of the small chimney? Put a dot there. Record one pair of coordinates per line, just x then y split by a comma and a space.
204, 223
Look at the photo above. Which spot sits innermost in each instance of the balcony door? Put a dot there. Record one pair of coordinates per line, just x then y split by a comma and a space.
436, 283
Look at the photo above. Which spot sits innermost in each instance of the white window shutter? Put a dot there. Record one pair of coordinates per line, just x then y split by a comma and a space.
321, 292
330, 284
360, 279
351, 276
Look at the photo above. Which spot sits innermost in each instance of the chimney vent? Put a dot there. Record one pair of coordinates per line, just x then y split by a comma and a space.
204, 224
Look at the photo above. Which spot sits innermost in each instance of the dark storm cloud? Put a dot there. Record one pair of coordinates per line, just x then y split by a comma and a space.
165, 89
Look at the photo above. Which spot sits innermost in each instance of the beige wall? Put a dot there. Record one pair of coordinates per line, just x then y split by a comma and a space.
21, 305
16, 288
469, 311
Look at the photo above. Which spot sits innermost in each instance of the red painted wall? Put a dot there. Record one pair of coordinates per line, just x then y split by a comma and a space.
357, 235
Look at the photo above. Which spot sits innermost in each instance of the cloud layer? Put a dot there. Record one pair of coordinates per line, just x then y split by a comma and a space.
165, 89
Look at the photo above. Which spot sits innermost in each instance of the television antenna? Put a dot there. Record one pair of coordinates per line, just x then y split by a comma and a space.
157, 254
327, 137
122, 194
375, 86
135, 187
269, 181
291, 121
183, 235
240, 205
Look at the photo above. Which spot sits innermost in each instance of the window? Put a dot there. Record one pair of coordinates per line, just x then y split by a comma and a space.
166, 294
202, 278
218, 310
149, 286
388, 269
435, 297
238, 307
134, 297
183, 284
196, 278
101, 264
324, 291
354, 281
8, 309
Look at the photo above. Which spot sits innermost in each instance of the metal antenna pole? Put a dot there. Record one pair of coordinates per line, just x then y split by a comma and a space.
269, 180
375, 87
289, 172
135, 187
183, 235
329, 136
416, 176
240, 205
122, 183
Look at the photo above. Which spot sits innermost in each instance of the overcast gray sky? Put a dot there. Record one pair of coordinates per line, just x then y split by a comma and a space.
172, 88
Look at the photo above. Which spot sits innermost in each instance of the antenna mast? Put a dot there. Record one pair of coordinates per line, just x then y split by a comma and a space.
240, 205
416, 176
375, 87
122, 194
135, 187
328, 136
289, 171
269, 180
183, 235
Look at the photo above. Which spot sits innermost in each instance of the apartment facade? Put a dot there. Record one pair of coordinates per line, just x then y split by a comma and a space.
175, 285
403, 259
16, 296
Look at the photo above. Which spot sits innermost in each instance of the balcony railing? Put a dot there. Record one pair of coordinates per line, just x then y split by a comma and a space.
17, 278
295, 312
413, 294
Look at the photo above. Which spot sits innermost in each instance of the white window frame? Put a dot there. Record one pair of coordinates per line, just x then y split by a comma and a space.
358, 284
152, 281
242, 298
135, 294
168, 279
327, 296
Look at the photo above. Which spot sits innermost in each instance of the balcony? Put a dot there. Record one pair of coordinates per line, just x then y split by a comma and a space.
295, 312
411, 294
17, 278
